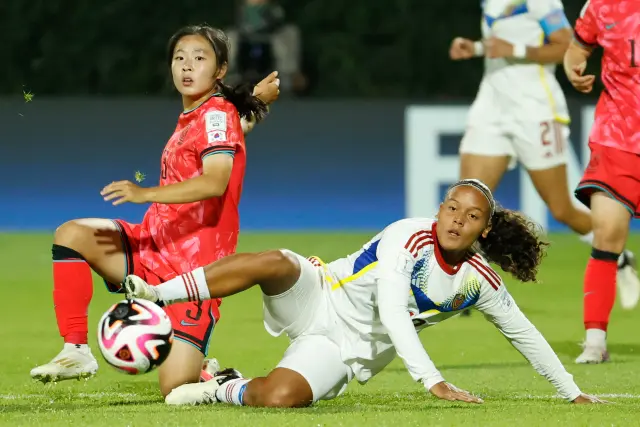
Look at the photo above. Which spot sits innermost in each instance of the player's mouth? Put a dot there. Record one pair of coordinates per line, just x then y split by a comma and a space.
453, 233
187, 81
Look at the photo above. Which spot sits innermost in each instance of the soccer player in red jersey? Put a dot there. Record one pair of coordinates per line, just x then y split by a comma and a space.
610, 185
192, 221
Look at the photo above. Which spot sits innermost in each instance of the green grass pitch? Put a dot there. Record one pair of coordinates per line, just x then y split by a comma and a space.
469, 352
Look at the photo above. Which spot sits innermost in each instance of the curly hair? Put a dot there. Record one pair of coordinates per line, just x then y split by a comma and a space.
514, 244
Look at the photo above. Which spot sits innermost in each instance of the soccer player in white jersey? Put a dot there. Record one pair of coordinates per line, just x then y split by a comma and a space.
520, 112
349, 318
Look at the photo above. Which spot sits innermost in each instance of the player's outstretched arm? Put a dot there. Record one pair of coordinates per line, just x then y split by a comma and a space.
500, 309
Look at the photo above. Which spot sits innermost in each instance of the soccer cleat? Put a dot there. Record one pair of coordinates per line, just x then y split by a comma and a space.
203, 392
627, 281
135, 287
593, 354
209, 369
71, 363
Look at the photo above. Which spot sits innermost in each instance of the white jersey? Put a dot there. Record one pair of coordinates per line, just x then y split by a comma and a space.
398, 284
516, 89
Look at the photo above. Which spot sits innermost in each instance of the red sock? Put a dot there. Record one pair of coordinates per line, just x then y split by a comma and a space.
599, 291
72, 292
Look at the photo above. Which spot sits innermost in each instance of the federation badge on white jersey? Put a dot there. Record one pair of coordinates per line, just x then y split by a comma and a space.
216, 120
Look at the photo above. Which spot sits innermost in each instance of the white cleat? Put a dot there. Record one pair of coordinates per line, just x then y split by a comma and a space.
627, 281
203, 392
193, 394
593, 354
135, 287
71, 363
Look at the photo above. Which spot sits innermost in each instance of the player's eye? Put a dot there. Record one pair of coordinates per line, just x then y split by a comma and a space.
178, 58
452, 208
473, 216
200, 58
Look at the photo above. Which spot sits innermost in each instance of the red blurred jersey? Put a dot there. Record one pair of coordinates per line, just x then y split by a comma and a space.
181, 237
615, 25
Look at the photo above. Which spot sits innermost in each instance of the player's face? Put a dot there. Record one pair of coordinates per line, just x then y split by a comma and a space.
194, 67
462, 218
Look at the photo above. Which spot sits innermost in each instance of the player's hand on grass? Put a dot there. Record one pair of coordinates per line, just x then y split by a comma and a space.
497, 48
586, 398
582, 83
461, 48
124, 191
446, 391
268, 89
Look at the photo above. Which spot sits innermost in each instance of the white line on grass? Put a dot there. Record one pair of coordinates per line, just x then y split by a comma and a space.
80, 395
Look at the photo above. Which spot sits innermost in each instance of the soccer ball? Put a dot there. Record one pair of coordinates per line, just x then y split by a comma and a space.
135, 336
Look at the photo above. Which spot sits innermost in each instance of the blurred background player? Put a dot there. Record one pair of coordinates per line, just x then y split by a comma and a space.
192, 221
610, 186
358, 312
520, 112
263, 40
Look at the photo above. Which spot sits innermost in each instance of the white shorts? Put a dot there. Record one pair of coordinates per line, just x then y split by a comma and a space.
305, 314
537, 145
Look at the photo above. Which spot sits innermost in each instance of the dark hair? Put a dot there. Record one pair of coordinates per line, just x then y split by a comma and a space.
514, 244
241, 96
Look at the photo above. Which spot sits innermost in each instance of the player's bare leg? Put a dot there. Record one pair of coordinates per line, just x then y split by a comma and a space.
79, 246
275, 271
183, 366
610, 228
551, 184
488, 169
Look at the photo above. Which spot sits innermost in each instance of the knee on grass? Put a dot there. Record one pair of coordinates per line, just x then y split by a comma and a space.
282, 396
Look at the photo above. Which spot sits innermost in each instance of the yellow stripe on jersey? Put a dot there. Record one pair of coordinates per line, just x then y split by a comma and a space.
545, 85
341, 282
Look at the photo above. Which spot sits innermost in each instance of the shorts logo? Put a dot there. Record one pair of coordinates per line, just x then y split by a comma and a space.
183, 323
593, 162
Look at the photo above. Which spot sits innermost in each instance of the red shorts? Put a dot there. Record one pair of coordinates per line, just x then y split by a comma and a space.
192, 322
615, 172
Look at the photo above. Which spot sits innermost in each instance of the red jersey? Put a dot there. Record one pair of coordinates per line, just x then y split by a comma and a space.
615, 25
186, 236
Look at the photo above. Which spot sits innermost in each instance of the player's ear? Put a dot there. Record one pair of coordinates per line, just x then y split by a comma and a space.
486, 231
221, 72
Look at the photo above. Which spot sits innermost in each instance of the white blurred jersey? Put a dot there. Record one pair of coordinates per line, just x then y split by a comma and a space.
516, 89
398, 283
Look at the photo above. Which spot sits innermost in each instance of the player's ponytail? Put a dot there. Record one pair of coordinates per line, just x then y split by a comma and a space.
514, 244
241, 96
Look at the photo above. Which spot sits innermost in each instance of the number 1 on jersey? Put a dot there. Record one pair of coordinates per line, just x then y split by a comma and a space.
632, 44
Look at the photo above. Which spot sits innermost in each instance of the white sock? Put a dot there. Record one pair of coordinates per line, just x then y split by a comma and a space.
587, 238
232, 391
191, 286
596, 337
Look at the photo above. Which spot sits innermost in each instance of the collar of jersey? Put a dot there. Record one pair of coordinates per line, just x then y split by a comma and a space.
205, 100
450, 270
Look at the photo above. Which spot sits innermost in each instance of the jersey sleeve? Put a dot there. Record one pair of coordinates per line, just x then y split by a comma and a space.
395, 265
586, 31
221, 132
550, 15
499, 308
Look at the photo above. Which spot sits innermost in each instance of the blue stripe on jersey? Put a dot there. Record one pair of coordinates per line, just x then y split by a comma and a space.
518, 9
228, 153
367, 257
554, 21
